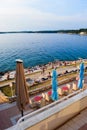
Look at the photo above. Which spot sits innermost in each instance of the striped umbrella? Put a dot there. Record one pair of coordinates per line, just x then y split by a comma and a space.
21, 88
54, 85
81, 76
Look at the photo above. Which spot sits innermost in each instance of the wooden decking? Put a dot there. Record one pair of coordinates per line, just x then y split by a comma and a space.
79, 122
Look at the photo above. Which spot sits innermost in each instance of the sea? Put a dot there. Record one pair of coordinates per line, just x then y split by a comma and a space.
40, 48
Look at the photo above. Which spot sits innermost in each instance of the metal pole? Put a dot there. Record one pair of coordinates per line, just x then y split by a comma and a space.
22, 114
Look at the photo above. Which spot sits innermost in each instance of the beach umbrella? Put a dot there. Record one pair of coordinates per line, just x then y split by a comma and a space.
54, 85
81, 76
21, 88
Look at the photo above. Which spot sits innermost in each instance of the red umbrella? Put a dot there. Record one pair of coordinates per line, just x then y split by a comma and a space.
21, 88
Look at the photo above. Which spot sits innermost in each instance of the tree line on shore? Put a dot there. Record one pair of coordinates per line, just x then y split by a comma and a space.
73, 31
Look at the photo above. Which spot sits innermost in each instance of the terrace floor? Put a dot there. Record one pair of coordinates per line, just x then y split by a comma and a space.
79, 122
9, 114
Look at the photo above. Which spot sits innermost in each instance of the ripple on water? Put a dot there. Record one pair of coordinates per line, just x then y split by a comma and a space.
36, 49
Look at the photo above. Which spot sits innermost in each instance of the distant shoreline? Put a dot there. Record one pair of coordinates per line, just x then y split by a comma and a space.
80, 31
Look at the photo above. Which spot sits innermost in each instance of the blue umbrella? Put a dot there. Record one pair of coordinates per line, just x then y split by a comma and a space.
54, 85
81, 76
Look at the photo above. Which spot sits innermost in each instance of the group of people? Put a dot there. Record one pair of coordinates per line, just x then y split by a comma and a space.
42, 68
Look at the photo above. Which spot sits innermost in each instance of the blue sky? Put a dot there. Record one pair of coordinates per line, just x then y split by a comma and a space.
42, 14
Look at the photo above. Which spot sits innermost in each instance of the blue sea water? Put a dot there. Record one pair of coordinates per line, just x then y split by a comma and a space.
35, 49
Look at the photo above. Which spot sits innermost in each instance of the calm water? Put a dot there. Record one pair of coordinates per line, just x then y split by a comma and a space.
36, 49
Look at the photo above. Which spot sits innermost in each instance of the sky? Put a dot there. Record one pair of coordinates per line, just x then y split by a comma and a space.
18, 15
